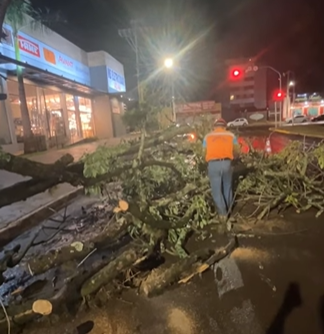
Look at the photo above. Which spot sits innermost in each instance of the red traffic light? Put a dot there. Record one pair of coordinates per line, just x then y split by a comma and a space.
236, 74
278, 95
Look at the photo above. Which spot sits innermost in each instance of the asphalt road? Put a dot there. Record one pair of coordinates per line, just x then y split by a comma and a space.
277, 141
272, 284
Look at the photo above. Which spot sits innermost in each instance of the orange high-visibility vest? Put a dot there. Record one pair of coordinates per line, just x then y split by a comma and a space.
219, 144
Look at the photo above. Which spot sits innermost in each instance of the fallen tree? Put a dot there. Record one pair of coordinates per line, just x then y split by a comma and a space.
165, 199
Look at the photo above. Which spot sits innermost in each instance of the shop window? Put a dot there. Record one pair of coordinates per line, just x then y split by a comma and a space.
37, 118
75, 132
86, 117
51, 106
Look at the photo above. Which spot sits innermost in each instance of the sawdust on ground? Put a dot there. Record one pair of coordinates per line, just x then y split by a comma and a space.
180, 322
103, 324
251, 254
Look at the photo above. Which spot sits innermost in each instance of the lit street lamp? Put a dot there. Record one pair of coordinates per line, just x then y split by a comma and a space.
289, 101
168, 63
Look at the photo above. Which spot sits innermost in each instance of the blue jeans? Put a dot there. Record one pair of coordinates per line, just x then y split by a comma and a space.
220, 175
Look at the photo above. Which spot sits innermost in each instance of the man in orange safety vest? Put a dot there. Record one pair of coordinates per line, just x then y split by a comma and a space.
219, 146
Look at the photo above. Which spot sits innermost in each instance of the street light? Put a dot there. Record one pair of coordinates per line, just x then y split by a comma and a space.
168, 63
290, 84
280, 89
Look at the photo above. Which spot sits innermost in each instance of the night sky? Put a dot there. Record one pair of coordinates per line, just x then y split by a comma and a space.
286, 34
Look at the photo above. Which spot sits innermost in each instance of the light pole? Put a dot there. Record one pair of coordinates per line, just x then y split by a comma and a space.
290, 83
169, 63
292, 100
280, 88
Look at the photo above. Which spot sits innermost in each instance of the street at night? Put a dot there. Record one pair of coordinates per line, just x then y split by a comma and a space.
161, 167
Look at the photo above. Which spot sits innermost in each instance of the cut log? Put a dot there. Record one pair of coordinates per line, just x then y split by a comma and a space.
159, 279
42, 306
124, 261
67, 294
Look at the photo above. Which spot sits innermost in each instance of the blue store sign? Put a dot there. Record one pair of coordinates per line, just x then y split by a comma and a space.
116, 82
43, 57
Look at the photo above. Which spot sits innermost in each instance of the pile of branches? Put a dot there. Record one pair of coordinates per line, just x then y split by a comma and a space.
292, 178
165, 199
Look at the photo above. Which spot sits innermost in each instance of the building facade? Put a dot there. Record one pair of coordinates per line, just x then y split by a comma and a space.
71, 94
248, 88
310, 105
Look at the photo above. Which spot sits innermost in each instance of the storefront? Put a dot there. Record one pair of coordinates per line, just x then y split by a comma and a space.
68, 92
310, 105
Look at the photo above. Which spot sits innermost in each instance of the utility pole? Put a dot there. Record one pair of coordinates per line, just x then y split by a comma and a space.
290, 83
275, 105
174, 115
131, 36
280, 89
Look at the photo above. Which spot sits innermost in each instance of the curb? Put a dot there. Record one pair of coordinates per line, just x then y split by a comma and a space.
286, 132
17, 227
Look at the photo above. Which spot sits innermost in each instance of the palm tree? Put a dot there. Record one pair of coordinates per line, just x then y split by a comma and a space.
3, 9
19, 14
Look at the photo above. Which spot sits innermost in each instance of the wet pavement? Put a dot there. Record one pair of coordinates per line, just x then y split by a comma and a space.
258, 138
271, 284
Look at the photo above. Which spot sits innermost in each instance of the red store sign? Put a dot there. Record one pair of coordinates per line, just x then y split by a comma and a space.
28, 46
65, 62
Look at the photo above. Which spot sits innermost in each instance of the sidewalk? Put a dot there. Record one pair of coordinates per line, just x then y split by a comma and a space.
76, 151
22, 211
306, 130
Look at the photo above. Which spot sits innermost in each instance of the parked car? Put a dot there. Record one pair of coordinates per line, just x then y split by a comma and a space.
238, 122
319, 118
297, 119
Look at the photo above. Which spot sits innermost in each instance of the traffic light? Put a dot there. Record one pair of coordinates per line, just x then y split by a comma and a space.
236, 73
278, 95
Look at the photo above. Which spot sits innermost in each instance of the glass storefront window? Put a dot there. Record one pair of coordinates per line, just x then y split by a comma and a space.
51, 106
72, 118
86, 117
37, 118
46, 113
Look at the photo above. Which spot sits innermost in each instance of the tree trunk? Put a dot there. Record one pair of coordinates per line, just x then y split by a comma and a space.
23, 105
3, 9
165, 275
22, 94
104, 276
